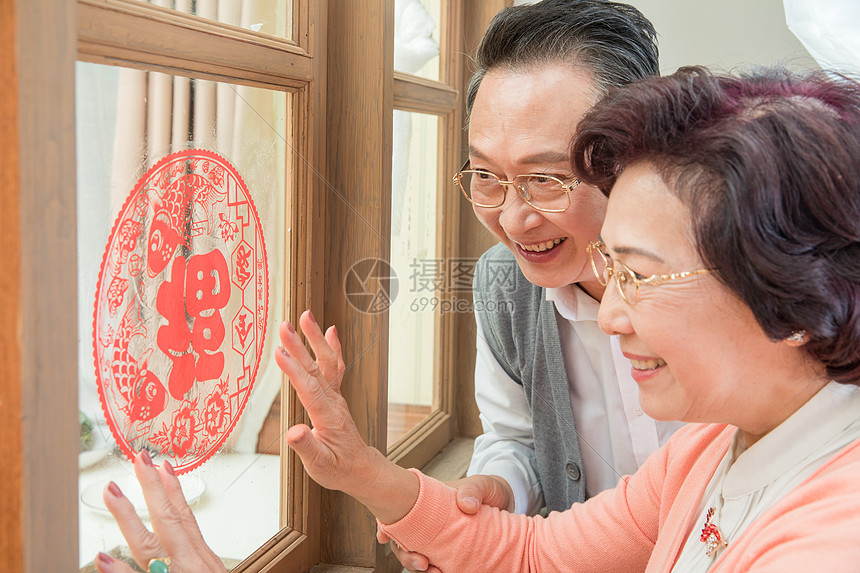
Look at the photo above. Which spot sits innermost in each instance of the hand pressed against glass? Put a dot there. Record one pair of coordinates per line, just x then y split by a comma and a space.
522, 123
691, 342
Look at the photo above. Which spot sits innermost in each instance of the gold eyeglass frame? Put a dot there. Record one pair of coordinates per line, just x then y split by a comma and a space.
627, 274
567, 188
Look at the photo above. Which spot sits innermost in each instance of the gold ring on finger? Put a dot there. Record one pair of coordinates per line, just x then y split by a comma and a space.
159, 565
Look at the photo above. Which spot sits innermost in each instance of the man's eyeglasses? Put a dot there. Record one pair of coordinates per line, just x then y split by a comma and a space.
626, 280
543, 192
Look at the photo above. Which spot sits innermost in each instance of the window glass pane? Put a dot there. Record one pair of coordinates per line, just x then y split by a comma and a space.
412, 316
416, 37
182, 192
272, 17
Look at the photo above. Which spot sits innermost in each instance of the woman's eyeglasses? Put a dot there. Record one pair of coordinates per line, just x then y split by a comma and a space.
626, 280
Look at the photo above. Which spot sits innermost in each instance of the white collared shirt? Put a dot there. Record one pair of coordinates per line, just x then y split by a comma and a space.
750, 480
615, 435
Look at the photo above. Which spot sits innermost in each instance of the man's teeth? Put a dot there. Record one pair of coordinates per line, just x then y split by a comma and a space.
647, 364
541, 247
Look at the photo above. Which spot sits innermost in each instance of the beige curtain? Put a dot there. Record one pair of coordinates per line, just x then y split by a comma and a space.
158, 115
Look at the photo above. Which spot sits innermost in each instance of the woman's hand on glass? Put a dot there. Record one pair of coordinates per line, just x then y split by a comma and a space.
333, 452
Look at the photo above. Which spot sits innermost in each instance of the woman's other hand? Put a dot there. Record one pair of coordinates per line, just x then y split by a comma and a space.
174, 534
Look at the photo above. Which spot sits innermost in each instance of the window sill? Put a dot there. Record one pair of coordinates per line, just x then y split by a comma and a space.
452, 462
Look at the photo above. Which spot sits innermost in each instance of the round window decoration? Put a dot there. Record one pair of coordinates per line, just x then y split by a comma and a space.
180, 310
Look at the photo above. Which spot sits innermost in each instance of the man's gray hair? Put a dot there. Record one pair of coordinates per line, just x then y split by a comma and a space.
612, 41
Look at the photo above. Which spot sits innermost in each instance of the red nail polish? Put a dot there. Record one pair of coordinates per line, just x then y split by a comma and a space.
334, 329
104, 559
114, 490
310, 314
290, 328
283, 351
169, 468
144, 455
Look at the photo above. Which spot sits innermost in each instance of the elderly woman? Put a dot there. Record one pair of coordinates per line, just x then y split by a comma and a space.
731, 248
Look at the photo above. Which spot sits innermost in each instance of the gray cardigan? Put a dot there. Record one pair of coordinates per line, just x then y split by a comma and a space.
522, 332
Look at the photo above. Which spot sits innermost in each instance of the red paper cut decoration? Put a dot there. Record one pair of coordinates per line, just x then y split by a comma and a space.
181, 309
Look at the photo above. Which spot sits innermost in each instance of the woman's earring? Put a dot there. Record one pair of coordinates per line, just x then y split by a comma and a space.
797, 337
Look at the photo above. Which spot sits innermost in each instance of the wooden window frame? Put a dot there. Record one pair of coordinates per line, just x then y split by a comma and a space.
363, 90
343, 113
442, 99
40, 317
140, 35
461, 235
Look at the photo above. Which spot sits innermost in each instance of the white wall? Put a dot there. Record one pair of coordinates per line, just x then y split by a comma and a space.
722, 34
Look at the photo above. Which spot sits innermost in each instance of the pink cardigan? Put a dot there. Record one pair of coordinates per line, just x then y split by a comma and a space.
643, 523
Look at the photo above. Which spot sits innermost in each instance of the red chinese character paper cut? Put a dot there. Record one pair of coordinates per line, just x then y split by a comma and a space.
181, 309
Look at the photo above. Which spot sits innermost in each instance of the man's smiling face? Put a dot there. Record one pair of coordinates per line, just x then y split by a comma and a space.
523, 122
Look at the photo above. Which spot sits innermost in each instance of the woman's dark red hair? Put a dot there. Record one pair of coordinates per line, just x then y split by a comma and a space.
769, 165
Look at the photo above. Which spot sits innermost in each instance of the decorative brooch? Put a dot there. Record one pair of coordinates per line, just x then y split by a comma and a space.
711, 535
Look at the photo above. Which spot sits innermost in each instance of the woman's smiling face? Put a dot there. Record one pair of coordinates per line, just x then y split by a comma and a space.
522, 122
696, 350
